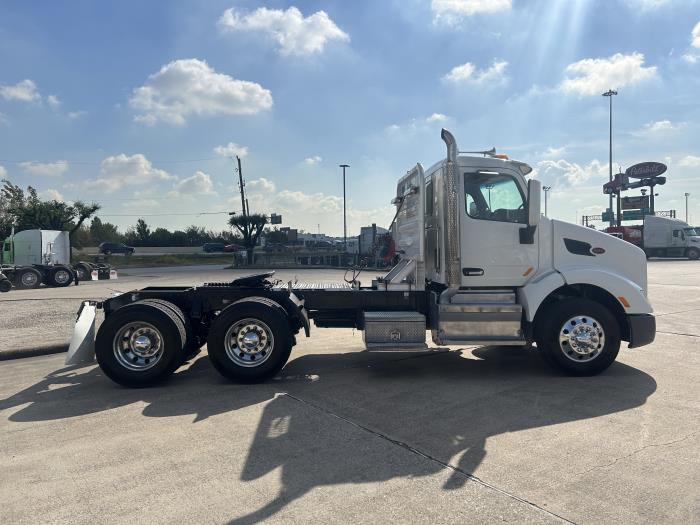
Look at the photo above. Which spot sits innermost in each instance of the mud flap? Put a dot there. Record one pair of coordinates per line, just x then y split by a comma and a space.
82, 345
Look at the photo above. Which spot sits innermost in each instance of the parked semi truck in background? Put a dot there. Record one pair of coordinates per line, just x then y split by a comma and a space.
478, 265
662, 237
33, 257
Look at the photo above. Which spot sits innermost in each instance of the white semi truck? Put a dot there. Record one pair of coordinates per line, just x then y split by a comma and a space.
478, 265
33, 257
662, 237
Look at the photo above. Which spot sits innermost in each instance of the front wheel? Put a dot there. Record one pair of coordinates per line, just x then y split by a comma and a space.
693, 254
580, 337
250, 342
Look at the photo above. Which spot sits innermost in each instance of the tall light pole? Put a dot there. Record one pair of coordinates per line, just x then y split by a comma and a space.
686, 205
345, 220
609, 93
546, 192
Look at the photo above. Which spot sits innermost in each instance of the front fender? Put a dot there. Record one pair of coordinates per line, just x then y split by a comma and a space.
535, 291
617, 285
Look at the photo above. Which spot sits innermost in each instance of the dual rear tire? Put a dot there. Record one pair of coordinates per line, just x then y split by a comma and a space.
143, 343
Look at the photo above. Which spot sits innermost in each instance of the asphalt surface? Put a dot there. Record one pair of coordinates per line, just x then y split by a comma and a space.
467, 435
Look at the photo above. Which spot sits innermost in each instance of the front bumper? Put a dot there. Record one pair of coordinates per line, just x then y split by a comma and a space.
642, 329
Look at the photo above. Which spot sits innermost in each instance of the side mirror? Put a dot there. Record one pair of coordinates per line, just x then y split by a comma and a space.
534, 192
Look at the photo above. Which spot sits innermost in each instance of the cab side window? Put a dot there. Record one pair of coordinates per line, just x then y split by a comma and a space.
429, 199
494, 196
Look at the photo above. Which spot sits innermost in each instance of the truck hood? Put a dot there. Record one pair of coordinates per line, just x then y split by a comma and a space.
576, 246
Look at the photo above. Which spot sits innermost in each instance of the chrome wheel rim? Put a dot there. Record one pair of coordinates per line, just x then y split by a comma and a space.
581, 338
29, 279
138, 346
249, 342
61, 276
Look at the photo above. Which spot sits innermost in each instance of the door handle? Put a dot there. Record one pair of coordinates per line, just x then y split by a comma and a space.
472, 272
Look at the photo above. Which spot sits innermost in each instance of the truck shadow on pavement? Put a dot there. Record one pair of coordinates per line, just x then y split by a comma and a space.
333, 419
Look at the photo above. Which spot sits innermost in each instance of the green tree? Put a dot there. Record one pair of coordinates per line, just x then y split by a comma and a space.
26, 211
251, 228
104, 232
143, 232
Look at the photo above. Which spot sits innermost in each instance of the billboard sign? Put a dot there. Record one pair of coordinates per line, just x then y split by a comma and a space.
645, 170
635, 203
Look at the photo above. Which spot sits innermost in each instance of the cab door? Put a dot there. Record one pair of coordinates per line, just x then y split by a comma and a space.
494, 210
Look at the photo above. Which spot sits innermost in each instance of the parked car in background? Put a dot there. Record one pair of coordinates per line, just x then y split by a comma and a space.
212, 247
230, 248
108, 248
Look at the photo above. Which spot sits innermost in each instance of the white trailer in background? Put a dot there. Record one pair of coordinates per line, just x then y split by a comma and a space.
478, 265
32, 257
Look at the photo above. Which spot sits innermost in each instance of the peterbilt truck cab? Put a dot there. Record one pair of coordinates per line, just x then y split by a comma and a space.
478, 265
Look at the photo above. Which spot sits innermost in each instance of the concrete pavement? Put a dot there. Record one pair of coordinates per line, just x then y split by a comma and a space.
470, 435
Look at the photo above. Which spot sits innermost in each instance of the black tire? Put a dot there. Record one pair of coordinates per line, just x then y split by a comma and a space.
591, 318
28, 278
111, 356
193, 344
693, 254
60, 276
84, 271
5, 285
272, 358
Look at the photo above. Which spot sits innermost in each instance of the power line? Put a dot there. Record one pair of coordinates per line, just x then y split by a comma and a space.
97, 163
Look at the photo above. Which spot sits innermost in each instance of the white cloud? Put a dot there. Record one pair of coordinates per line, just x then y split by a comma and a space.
76, 114
121, 171
658, 127
45, 168
695, 36
198, 184
312, 161
690, 161
468, 73
294, 33
53, 101
231, 150
261, 185
562, 173
552, 152
3, 172
436, 117
53, 195
191, 87
4, 119
453, 11
593, 76
24, 91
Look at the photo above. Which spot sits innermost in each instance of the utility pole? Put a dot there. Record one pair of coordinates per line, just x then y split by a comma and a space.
241, 185
609, 93
546, 192
686, 205
345, 220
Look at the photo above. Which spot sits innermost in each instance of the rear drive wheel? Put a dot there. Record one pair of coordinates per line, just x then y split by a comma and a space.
83, 271
5, 285
28, 278
578, 336
693, 253
193, 343
250, 342
140, 344
60, 276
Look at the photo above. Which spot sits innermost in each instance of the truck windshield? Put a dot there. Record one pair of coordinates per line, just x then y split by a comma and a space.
494, 196
691, 232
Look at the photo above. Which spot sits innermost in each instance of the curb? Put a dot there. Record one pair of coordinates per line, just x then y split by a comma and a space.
33, 352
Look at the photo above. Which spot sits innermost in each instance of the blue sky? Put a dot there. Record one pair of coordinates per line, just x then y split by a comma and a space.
139, 105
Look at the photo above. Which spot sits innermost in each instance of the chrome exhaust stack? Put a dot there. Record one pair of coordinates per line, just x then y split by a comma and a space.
453, 274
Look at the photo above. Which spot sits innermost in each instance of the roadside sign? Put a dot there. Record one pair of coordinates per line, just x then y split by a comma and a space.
633, 215
644, 170
275, 219
608, 216
635, 203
